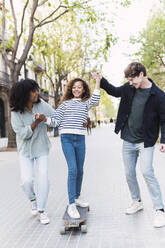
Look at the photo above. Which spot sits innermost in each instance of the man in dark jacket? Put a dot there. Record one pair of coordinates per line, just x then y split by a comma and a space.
141, 113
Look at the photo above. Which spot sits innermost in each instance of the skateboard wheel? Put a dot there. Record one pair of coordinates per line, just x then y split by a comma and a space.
84, 228
62, 230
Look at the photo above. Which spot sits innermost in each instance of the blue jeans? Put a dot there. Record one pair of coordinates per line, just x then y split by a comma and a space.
27, 179
131, 152
73, 146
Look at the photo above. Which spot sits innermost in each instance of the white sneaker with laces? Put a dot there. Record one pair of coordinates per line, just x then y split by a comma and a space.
73, 212
34, 208
159, 218
134, 208
43, 217
79, 202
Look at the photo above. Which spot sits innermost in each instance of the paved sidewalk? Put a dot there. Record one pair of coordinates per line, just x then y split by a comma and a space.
104, 186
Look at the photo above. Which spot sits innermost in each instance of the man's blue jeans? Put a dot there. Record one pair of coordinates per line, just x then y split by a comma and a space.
131, 152
73, 146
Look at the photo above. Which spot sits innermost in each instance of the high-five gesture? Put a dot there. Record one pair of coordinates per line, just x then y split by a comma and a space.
97, 77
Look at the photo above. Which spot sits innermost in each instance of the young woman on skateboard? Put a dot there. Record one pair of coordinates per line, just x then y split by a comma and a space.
70, 116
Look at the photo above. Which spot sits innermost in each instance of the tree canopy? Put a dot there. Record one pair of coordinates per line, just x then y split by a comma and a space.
151, 51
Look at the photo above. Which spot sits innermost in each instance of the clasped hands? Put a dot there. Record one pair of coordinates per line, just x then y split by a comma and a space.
40, 117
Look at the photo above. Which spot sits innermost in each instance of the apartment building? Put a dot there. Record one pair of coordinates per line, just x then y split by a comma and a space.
26, 72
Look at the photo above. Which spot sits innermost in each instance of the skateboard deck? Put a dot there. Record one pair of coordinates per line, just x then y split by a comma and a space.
73, 224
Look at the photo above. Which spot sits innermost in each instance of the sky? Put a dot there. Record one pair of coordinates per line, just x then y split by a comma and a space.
129, 22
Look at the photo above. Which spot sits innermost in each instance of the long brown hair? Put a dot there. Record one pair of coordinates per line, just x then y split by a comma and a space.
68, 91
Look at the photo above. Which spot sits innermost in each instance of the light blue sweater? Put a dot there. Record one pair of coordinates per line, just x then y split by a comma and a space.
30, 143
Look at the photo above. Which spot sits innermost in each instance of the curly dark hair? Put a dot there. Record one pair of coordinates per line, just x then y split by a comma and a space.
20, 93
68, 92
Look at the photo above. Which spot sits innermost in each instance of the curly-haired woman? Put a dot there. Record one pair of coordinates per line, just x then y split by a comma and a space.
32, 142
70, 117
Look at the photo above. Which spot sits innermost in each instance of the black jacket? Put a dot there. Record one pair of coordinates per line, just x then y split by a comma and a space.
154, 111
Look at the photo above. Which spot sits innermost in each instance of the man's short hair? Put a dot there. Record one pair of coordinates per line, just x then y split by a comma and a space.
134, 69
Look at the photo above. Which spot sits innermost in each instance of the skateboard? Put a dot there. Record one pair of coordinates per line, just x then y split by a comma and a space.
75, 224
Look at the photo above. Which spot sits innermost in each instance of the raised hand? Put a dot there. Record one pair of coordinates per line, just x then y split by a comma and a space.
96, 76
162, 147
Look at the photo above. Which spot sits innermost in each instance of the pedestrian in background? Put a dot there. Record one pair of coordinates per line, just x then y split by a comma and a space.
98, 122
89, 125
32, 142
141, 114
111, 120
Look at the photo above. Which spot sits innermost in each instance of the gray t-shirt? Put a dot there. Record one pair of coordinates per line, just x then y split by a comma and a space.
132, 131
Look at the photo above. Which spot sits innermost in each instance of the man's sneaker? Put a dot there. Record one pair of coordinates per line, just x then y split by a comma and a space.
159, 218
135, 207
79, 202
44, 218
73, 212
34, 208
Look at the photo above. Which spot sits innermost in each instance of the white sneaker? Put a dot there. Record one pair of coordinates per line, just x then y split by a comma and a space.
135, 207
79, 202
34, 208
159, 218
73, 212
44, 218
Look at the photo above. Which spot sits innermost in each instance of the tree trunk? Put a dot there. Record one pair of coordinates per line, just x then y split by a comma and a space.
11, 133
56, 131
11, 137
56, 98
56, 101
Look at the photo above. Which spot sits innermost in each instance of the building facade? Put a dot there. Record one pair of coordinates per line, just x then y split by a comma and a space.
4, 99
5, 86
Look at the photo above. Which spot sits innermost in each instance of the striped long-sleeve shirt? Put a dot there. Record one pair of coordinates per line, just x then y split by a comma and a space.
71, 114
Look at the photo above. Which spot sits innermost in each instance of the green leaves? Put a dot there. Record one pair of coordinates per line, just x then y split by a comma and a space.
107, 105
152, 49
66, 2
125, 3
